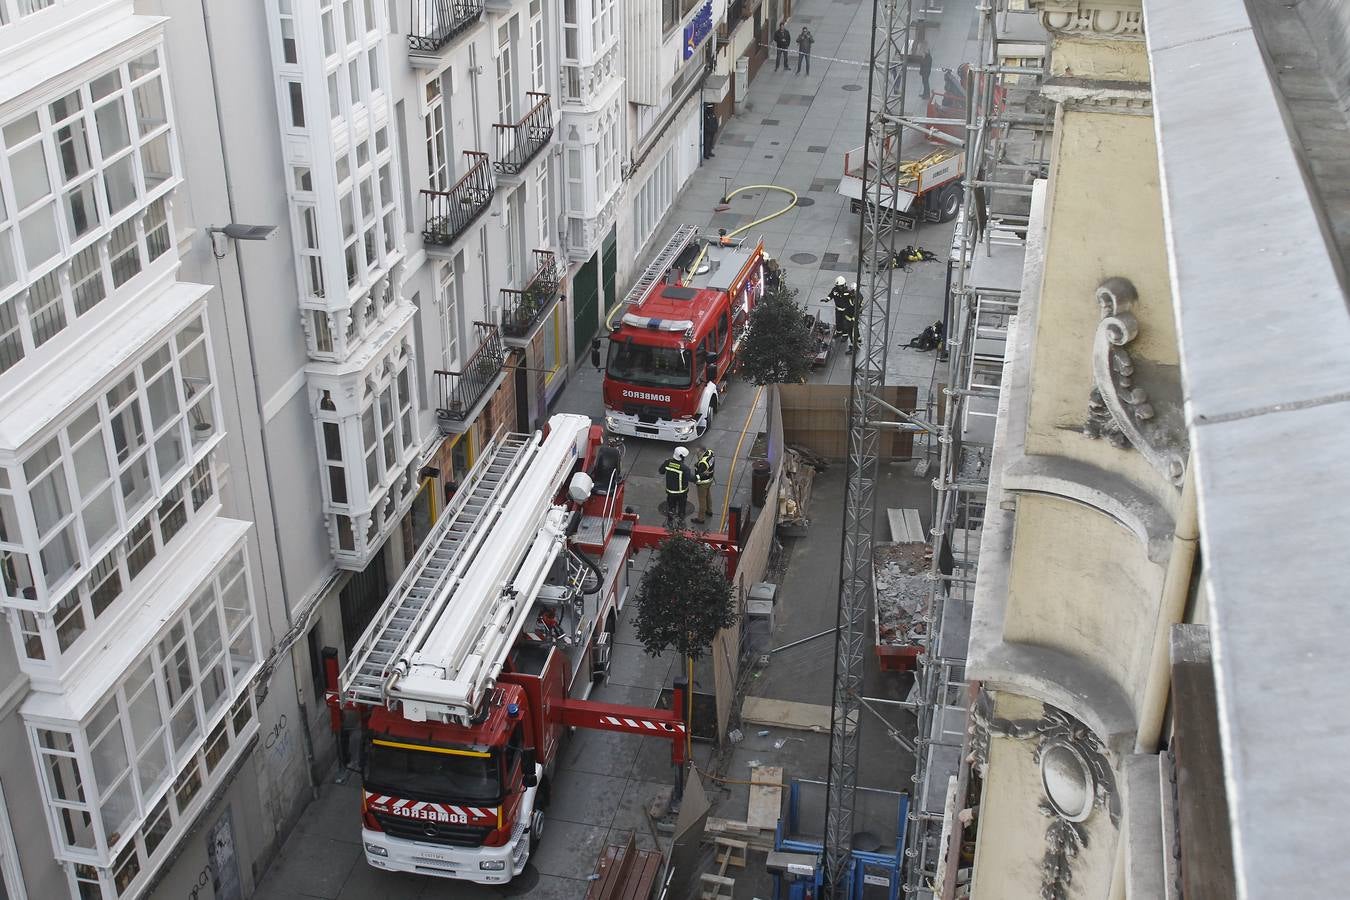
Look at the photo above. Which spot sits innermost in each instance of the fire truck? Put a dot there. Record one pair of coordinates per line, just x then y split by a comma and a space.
479, 662
675, 348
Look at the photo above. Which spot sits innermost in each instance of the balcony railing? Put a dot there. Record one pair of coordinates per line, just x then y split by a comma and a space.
519, 143
460, 391
448, 213
522, 309
434, 23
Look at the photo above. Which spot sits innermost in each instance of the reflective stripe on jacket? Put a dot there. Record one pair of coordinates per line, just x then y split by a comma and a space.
704, 467
677, 477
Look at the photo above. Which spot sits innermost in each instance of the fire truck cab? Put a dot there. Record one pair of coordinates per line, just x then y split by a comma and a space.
677, 342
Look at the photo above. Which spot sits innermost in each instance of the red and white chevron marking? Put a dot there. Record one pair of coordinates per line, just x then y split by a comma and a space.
430, 812
642, 724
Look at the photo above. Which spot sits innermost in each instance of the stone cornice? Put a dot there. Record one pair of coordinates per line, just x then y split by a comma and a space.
1116, 20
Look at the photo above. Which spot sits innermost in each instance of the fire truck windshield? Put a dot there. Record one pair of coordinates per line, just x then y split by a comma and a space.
431, 775
651, 366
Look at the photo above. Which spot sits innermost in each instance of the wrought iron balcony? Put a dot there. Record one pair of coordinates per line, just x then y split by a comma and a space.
523, 309
460, 391
433, 24
519, 143
448, 213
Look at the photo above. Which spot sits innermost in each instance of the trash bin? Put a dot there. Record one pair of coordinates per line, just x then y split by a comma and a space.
759, 481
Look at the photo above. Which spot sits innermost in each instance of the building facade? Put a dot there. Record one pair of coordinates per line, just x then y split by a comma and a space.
1134, 730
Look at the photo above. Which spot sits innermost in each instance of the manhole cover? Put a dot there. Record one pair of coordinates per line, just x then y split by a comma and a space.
768, 156
803, 259
773, 143
805, 201
853, 87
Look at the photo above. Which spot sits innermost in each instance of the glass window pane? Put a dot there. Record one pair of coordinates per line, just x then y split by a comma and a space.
105, 84
51, 499
124, 253
105, 584
21, 130
163, 400
108, 748
128, 431
156, 161
148, 99
59, 556
183, 727
144, 64
119, 807
119, 182
114, 133
139, 547
81, 208
29, 170
213, 688
46, 308
91, 459
157, 825
169, 455
41, 241
243, 653
8, 273
72, 149
69, 616
100, 519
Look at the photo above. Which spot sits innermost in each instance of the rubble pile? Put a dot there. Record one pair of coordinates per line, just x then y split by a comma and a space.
900, 576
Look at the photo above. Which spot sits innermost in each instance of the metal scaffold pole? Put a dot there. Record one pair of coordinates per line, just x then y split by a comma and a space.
881, 155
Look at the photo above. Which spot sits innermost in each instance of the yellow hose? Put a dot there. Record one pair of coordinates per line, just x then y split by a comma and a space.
609, 319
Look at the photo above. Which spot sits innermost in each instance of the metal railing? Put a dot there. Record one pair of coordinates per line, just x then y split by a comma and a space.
522, 309
448, 213
432, 24
460, 391
519, 143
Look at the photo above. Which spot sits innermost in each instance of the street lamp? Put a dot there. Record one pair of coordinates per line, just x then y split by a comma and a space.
236, 232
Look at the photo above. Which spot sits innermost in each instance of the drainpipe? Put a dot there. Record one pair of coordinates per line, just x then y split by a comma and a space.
306, 739
1171, 609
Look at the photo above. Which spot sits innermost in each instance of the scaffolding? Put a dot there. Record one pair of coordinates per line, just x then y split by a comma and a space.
1008, 127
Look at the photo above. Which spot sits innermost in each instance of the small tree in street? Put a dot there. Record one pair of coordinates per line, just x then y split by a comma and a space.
684, 598
778, 344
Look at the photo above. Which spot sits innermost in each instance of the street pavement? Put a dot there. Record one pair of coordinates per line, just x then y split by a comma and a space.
792, 132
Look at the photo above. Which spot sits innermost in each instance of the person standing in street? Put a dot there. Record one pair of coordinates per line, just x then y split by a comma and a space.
925, 63
709, 129
804, 41
677, 485
839, 296
782, 39
704, 467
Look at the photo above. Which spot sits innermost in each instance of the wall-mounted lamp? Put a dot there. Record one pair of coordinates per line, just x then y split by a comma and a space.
236, 232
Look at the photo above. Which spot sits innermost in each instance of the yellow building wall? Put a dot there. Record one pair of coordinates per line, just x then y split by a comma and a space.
1104, 219
1011, 853
1081, 582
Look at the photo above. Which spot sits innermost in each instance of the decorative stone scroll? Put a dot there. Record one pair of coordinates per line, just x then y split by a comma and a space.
1120, 20
1135, 402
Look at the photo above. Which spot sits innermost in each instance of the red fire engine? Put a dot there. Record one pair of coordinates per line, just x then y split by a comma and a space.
483, 654
676, 345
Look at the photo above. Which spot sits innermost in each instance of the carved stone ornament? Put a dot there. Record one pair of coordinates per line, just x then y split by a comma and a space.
1135, 402
1106, 19
1076, 776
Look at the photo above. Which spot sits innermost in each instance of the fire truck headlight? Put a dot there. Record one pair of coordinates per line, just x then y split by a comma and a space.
684, 430
376, 850
492, 865
611, 422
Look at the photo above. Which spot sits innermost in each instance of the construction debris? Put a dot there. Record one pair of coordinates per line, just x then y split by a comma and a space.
900, 577
794, 491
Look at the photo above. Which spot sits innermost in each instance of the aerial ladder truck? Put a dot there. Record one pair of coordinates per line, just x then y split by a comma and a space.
476, 666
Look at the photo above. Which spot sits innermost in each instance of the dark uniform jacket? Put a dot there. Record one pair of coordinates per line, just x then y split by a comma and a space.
677, 476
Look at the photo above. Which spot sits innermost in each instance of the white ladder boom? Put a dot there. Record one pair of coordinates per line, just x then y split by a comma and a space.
442, 636
442, 556
658, 267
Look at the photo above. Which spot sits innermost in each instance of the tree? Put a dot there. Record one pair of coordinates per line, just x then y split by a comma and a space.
779, 343
684, 598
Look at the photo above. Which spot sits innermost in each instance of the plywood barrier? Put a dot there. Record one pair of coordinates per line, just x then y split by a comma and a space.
815, 416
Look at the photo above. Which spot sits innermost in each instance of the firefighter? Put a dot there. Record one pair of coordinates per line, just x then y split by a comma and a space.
842, 300
547, 625
704, 467
677, 484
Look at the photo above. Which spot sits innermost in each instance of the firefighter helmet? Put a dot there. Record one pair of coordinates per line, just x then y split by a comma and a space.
840, 281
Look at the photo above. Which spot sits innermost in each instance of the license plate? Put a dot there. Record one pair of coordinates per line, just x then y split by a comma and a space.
435, 857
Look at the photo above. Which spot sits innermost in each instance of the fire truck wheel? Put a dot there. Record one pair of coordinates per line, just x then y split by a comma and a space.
536, 829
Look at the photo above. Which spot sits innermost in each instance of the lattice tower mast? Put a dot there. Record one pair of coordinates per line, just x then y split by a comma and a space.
881, 155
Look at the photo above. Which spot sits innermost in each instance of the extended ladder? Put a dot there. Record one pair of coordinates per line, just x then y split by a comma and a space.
658, 267
443, 554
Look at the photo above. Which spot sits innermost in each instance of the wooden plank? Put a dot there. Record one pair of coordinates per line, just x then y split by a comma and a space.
755, 838
1202, 808
786, 714
906, 527
766, 803
914, 525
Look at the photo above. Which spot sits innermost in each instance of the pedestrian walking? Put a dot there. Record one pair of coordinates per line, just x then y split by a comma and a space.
782, 40
804, 41
704, 468
677, 485
925, 64
709, 129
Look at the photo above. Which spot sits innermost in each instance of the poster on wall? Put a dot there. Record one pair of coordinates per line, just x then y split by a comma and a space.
698, 28
220, 854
